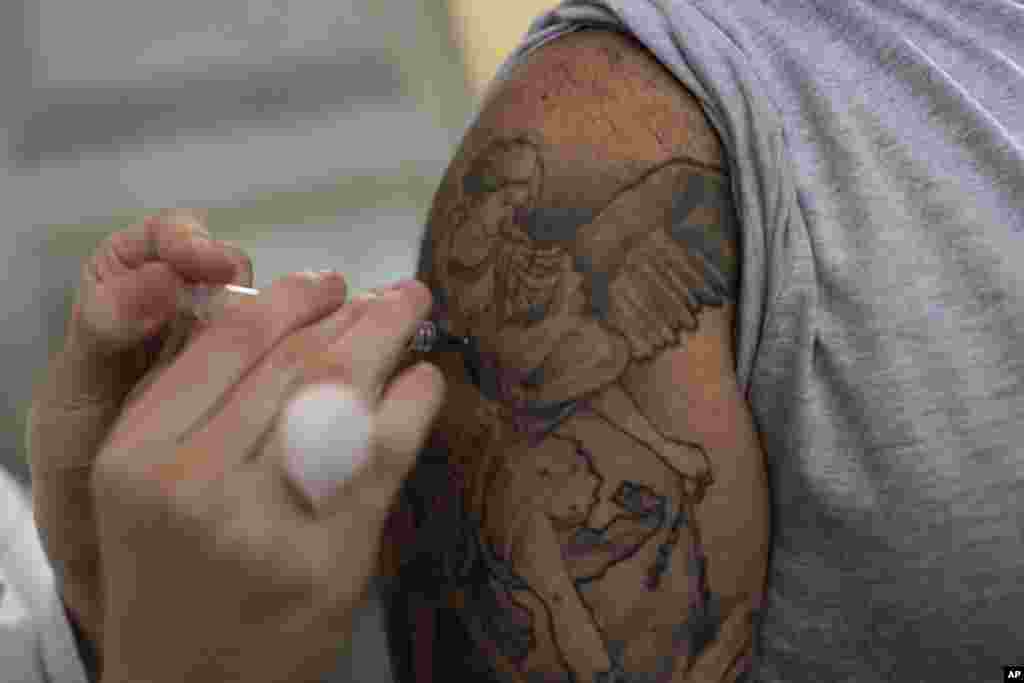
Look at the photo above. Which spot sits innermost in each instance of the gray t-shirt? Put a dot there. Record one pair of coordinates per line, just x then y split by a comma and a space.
876, 151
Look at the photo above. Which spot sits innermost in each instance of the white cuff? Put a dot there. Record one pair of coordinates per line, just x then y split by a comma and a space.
37, 644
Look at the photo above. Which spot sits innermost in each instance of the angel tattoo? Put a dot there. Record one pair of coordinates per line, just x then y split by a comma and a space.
577, 489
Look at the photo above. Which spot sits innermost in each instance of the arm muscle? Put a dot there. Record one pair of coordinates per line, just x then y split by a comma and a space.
593, 498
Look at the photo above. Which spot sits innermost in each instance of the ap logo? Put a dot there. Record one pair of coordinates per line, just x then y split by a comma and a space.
1013, 673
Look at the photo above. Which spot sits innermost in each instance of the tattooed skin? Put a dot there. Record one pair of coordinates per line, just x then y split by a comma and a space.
556, 489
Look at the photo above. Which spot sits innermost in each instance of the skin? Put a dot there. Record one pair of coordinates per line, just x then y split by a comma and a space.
152, 436
121, 325
602, 513
160, 462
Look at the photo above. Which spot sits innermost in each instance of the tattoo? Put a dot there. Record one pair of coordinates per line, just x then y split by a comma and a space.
551, 495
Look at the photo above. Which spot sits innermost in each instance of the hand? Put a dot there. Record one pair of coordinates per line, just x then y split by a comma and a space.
217, 567
123, 317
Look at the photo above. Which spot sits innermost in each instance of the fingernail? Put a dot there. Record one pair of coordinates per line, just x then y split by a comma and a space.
321, 276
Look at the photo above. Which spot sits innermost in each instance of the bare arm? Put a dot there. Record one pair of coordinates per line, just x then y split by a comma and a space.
593, 502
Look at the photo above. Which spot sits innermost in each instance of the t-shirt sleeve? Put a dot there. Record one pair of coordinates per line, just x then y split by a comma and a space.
37, 642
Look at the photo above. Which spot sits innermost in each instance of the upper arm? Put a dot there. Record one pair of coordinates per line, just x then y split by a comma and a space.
595, 441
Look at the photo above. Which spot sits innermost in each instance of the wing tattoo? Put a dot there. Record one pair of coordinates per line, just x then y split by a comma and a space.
650, 283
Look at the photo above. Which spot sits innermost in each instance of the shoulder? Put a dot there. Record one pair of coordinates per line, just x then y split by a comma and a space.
603, 89
591, 150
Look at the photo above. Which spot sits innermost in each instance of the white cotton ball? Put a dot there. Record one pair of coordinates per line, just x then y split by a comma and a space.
327, 437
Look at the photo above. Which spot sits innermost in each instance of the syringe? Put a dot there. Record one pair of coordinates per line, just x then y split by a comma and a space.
203, 302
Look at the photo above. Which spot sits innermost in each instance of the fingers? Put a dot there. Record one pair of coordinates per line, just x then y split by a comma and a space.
358, 346
352, 517
130, 284
164, 348
218, 357
179, 238
366, 355
124, 310
362, 359
250, 412
374, 328
402, 424
125, 296
164, 351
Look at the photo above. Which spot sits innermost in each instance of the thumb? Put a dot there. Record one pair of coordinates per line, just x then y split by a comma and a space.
81, 392
102, 356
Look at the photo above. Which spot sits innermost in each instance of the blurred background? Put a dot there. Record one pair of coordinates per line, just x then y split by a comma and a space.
315, 132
